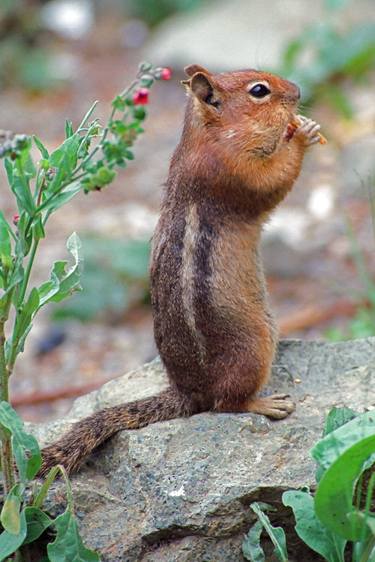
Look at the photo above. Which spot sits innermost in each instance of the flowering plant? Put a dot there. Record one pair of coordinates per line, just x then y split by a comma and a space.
87, 160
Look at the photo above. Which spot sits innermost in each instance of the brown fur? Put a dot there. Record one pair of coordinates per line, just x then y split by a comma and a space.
212, 325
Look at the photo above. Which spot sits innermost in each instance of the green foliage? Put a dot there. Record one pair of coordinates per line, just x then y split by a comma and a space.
336, 516
334, 54
86, 161
24, 58
23, 523
154, 12
251, 548
68, 545
362, 325
25, 446
115, 278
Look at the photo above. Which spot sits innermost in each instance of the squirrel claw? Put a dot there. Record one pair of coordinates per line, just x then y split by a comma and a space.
277, 407
308, 130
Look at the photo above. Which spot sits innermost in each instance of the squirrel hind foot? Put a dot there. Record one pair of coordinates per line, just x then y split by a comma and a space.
276, 407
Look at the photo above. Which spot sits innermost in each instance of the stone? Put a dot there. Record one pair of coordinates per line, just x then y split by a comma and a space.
180, 490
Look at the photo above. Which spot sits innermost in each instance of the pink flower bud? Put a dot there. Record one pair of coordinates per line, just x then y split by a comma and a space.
16, 218
166, 74
141, 96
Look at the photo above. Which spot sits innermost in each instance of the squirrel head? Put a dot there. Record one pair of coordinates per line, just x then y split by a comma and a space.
243, 114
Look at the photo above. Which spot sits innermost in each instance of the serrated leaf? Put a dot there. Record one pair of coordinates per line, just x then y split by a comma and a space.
63, 282
25, 446
37, 522
276, 534
40, 146
251, 548
10, 514
310, 529
68, 546
9, 542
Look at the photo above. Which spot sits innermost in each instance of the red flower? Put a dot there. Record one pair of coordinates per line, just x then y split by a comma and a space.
141, 96
166, 74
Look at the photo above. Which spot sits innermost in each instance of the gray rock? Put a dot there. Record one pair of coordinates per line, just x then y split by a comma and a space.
180, 490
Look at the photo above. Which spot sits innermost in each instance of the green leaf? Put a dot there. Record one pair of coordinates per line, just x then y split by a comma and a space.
338, 417
276, 534
370, 521
310, 529
251, 548
25, 237
119, 103
10, 513
68, 129
5, 243
38, 228
67, 149
328, 449
64, 160
42, 149
66, 154
333, 499
9, 542
37, 522
25, 446
68, 546
24, 320
20, 186
8, 164
59, 200
63, 282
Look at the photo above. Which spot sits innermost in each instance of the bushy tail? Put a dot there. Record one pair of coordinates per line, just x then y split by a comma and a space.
88, 434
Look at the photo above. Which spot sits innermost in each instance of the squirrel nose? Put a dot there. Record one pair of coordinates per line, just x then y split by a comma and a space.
292, 93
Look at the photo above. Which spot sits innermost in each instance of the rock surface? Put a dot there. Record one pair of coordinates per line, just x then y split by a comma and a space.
180, 490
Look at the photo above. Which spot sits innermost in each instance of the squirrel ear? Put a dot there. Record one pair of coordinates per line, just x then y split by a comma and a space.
193, 68
203, 89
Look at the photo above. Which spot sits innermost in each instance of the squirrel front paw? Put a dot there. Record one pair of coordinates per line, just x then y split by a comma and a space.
308, 131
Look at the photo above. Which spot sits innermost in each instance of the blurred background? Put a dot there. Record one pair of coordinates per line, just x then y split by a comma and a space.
57, 56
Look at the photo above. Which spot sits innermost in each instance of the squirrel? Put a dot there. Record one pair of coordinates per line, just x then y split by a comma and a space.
241, 150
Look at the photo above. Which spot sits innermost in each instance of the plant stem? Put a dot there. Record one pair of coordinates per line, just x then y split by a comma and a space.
26, 278
38, 502
13, 351
6, 444
368, 550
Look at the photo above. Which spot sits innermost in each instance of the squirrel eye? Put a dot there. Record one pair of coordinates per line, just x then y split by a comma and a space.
259, 91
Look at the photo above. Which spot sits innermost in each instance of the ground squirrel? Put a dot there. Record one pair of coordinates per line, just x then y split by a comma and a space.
240, 152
